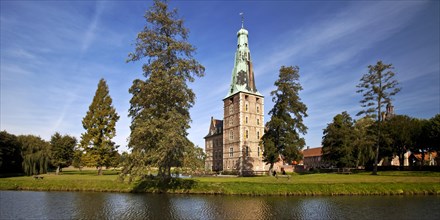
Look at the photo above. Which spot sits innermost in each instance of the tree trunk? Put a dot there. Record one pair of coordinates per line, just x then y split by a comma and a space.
271, 169
58, 170
379, 117
401, 158
358, 159
376, 159
100, 171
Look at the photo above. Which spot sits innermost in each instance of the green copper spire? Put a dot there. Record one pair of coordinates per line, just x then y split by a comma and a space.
242, 74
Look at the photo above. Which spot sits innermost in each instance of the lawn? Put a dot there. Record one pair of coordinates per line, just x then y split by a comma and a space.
386, 183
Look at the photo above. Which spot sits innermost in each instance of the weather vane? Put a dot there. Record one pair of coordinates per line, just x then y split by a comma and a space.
242, 19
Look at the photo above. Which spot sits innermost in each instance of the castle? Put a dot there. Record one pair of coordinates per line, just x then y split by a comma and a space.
232, 144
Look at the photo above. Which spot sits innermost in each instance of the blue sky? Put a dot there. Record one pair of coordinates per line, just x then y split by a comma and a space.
53, 54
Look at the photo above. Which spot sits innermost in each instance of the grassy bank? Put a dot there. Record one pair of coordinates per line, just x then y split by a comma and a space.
386, 183
68, 181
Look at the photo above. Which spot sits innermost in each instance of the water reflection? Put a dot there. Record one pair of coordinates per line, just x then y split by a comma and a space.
86, 205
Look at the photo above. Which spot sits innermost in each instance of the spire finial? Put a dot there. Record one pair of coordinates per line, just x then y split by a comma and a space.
242, 19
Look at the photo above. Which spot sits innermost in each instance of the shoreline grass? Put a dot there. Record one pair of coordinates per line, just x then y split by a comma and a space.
386, 183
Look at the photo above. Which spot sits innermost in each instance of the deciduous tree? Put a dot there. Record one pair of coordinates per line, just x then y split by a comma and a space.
160, 104
35, 153
194, 158
433, 132
62, 150
363, 142
99, 123
10, 153
377, 87
286, 123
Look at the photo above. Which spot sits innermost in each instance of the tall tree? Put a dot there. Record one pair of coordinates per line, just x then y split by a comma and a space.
337, 142
10, 153
62, 150
286, 123
35, 153
99, 123
378, 86
160, 104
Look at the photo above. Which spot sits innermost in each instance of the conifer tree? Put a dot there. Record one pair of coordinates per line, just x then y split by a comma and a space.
377, 86
286, 122
337, 143
99, 123
161, 102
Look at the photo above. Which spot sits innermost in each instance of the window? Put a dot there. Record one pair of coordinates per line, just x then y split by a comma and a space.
246, 121
258, 121
247, 152
258, 151
258, 135
231, 135
231, 121
258, 109
247, 134
231, 152
246, 107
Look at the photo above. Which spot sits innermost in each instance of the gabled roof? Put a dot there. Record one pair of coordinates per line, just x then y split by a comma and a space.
312, 152
215, 128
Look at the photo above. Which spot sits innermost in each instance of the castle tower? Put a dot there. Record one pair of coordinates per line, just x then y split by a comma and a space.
243, 122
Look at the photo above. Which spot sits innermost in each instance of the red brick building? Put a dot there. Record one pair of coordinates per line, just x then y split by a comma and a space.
312, 158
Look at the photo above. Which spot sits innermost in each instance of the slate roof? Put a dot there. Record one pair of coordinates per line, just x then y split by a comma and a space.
215, 128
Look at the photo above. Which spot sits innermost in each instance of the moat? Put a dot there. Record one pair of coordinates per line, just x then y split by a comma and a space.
94, 205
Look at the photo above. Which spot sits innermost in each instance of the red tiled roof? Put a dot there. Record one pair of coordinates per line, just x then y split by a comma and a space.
312, 152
